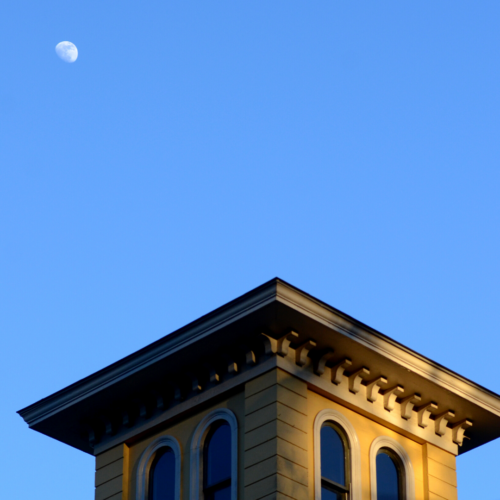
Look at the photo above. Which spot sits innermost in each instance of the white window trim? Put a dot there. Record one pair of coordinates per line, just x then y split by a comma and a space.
354, 451
146, 460
197, 445
392, 444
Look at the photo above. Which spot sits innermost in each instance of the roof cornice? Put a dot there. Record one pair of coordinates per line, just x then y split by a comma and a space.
227, 343
158, 350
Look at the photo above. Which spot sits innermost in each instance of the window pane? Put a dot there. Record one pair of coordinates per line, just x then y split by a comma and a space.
326, 494
332, 455
224, 494
387, 478
218, 456
162, 476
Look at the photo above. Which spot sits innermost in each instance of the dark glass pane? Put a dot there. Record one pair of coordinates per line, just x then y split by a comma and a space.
162, 476
224, 494
387, 478
332, 455
218, 456
326, 494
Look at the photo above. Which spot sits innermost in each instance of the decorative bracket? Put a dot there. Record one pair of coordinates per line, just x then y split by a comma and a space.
109, 425
390, 396
232, 367
320, 364
144, 410
339, 369
279, 346
373, 388
93, 437
194, 383
407, 405
213, 375
249, 355
356, 378
441, 422
302, 352
424, 413
175, 391
127, 418
459, 429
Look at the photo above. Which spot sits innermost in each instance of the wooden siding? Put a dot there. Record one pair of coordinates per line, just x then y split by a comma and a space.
276, 438
440, 476
111, 474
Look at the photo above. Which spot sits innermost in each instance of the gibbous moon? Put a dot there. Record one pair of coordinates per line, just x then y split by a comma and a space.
67, 51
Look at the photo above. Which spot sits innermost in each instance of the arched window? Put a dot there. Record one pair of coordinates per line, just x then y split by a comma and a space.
334, 463
337, 458
159, 471
390, 477
217, 462
162, 475
391, 472
214, 457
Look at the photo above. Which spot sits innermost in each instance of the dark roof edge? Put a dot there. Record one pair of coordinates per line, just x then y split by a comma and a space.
275, 289
165, 346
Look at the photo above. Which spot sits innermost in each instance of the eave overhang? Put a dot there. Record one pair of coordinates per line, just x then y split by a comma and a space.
243, 338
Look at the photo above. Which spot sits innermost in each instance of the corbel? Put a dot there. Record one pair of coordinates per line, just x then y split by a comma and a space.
320, 363
407, 405
144, 411
302, 352
339, 369
158, 398
109, 426
175, 391
441, 422
249, 355
160, 402
356, 378
194, 384
279, 346
459, 429
93, 440
231, 365
92, 435
284, 342
424, 413
270, 344
213, 374
373, 388
390, 396
127, 418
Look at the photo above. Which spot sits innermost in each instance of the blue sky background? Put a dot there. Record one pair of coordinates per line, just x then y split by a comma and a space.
197, 149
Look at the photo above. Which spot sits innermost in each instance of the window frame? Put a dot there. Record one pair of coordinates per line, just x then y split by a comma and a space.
147, 459
208, 491
353, 467
332, 485
198, 447
406, 468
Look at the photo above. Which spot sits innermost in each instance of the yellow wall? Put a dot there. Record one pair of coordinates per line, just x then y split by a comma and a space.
183, 431
275, 447
367, 431
434, 469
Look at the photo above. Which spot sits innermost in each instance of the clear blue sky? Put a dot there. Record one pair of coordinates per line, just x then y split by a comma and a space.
199, 148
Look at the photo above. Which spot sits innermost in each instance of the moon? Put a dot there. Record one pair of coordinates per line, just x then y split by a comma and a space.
67, 51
